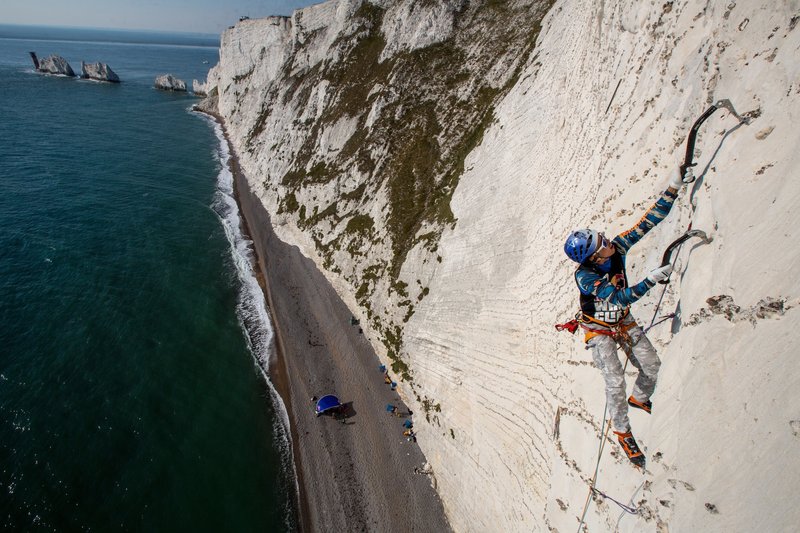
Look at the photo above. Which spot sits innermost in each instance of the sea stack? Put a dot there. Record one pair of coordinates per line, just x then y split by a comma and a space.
168, 82
53, 64
199, 88
98, 71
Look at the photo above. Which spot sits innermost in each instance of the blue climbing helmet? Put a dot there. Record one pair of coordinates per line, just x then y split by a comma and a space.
581, 244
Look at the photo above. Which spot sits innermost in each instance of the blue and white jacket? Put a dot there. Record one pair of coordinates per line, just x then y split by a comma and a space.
605, 294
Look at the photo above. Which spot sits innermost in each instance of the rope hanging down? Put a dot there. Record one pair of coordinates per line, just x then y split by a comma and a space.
603, 438
627, 509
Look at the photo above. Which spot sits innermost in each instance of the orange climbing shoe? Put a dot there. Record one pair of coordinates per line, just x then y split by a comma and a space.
647, 406
628, 444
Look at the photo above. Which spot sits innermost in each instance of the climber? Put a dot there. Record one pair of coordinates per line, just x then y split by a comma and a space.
606, 297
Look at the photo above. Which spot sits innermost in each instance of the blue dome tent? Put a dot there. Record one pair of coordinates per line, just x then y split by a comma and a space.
327, 403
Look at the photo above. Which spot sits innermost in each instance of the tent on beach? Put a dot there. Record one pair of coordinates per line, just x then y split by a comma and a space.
327, 403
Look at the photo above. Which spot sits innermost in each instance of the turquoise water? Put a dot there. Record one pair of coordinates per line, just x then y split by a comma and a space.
131, 332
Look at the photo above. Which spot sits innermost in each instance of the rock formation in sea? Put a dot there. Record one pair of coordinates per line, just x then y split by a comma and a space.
52, 64
431, 158
199, 88
209, 103
35, 60
168, 82
99, 72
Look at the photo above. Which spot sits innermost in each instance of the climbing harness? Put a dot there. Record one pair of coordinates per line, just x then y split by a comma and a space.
618, 331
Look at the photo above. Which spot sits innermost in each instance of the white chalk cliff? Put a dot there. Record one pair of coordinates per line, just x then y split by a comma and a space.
431, 157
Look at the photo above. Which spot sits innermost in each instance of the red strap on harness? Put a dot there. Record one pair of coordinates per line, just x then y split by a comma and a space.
609, 332
571, 326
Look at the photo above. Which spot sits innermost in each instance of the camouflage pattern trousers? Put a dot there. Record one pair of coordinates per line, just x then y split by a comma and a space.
643, 356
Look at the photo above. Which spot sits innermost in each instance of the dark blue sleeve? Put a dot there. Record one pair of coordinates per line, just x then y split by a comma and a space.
592, 283
624, 241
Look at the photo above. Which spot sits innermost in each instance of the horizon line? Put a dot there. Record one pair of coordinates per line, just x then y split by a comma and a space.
138, 30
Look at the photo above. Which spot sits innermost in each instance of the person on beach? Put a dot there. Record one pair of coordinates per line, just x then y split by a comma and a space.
605, 299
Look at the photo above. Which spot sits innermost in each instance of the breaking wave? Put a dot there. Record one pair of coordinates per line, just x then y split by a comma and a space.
251, 308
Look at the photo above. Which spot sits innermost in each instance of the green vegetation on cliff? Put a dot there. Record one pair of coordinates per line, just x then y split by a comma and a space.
417, 115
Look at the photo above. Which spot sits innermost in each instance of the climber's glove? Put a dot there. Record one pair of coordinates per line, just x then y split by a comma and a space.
659, 274
676, 180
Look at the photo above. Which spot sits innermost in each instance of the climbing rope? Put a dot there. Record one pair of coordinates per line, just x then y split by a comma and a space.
603, 438
626, 508
661, 299
661, 320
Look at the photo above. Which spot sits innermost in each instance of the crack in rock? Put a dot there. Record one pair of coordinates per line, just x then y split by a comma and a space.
724, 305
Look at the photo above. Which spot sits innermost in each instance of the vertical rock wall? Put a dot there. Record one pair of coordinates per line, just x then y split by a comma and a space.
520, 405
516, 148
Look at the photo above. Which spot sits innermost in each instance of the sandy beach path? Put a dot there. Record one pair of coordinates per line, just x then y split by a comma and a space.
354, 476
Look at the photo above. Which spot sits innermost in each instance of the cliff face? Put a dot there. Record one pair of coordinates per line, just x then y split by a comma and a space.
431, 158
356, 118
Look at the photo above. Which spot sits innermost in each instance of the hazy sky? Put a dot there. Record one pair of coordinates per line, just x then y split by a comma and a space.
202, 16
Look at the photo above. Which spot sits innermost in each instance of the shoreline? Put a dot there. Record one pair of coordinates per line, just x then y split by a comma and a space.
277, 370
359, 474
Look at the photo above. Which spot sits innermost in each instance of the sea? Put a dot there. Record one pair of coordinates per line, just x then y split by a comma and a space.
134, 340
